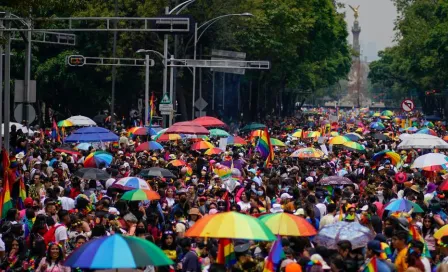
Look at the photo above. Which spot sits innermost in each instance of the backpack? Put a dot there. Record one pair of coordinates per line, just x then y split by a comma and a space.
50, 235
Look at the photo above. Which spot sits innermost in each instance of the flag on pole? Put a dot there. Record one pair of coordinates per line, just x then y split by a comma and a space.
55, 132
22, 194
264, 146
371, 266
226, 252
6, 195
275, 255
152, 109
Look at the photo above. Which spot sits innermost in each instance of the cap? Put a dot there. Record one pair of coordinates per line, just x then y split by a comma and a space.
194, 211
364, 208
276, 208
375, 246
28, 202
252, 171
242, 248
309, 179
180, 227
400, 177
285, 196
317, 257
293, 267
300, 212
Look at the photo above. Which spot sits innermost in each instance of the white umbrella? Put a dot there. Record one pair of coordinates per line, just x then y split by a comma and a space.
81, 121
429, 160
422, 141
18, 126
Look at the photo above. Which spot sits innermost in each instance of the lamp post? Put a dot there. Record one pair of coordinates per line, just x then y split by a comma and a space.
206, 25
146, 52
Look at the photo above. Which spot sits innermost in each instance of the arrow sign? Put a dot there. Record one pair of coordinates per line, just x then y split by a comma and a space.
407, 105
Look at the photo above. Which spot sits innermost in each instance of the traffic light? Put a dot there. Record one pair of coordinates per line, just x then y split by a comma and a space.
76, 60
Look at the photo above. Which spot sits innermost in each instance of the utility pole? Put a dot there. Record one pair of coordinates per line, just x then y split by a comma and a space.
7, 83
114, 71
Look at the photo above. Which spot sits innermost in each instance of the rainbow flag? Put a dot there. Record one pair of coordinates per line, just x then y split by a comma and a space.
6, 196
275, 255
264, 146
22, 194
371, 266
341, 213
152, 109
226, 252
387, 252
55, 132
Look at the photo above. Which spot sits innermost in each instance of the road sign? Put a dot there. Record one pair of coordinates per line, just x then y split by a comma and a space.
19, 116
19, 92
166, 107
166, 99
408, 105
76, 60
200, 104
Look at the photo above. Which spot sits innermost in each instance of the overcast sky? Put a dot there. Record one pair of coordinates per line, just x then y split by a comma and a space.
376, 18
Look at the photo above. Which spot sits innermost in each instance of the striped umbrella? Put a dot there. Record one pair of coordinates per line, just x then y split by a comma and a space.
297, 134
97, 158
308, 153
201, 145
286, 224
377, 126
168, 137
177, 163
338, 140
277, 142
65, 123
139, 195
387, 113
393, 156
312, 134
427, 131
235, 140
151, 145
353, 146
353, 136
213, 151
131, 183
403, 205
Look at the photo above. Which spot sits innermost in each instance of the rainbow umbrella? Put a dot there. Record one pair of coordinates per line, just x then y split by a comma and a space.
222, 171
131, 183
387, 113
139, 195
177, 163
201, 145
338, 140
141, 131
65, 123
95, 159
376, 114
277, 142
168, 137
352, 146
428, 124
115, 252
256, 133
286, 224
445, 138
189, 171
151, 145
403, 205
297, 134
393, 156
353, 136
231, 225
334, 133
213, 151
377, 126
411, 129
427, 131
384, 117
313, 134
308, 153
443, 231
235, 140
216, 132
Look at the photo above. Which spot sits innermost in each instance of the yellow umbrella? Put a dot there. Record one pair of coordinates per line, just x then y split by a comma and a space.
338, 140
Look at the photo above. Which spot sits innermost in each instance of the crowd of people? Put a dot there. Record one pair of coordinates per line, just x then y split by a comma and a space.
62, 211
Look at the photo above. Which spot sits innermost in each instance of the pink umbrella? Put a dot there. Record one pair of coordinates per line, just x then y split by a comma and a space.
187, 128
207, 121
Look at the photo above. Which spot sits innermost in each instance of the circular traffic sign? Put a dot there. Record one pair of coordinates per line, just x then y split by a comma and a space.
407, 105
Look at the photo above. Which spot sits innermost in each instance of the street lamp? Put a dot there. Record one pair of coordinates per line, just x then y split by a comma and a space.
146, 52
206, 25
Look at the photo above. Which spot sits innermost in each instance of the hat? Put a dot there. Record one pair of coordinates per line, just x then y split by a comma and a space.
400, 177
194, 211
380, 168
215, 177
28, 202
293, 267
120, 152
430, 188
375, 246
300, 212
309, 179
285, 196
415, 188
317, 257
172, 157
114, 211
364, 208
242, 248
20, 155
213, 211
276, 208
286, 262
252, 171
180, 227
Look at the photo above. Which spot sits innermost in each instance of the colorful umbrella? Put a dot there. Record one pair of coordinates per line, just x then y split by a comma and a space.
312, 134
431, 162
139, 195
297, 134
168, 137
177, 163
256, 133
95, 159
330, 235
213, 151
384, 117
253, 126
428, 124
334, 133
393, 156
216, 132
308, 153
201, 145
286, 224
387, 113
151, 145
65, 123
335, 180
156, 172
353, 136
411, 129
277, 142
187, 128
117, 251
141, 131
231, 225
207, 121
403, 205
338, 140
377, 126
235, 140
443, 231
131, 183
352, 146
445, 138
427, 131
376, 114
83, 146
223, 172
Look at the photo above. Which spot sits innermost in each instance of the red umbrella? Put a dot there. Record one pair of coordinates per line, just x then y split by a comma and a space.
207, 121
444, 186
187, 128
68, 151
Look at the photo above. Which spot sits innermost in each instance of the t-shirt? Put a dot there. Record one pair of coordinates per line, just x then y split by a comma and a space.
61, 233
400, 261
426, 264
190, 262
2, 244
67, 203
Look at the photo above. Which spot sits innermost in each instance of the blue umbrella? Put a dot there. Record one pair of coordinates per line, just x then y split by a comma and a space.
151, 145
403, 205
84, 146
357, 234
91, 135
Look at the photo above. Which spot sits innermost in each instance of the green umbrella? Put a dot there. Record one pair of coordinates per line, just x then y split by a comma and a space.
139, 194
216, 132
160, 133
253, 126
277, 142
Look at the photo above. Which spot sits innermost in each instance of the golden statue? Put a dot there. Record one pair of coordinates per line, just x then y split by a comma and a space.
356, 11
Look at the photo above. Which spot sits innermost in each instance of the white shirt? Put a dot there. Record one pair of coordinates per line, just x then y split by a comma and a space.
426, 264
244, 206
61, 233
67, 203
326, 220
2, 244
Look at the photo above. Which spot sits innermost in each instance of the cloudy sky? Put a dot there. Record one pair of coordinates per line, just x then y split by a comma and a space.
376, 18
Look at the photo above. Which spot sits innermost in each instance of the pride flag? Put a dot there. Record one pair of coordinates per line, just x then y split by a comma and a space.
264, 146
226, 252
55, 132
275, 255
152, 109
6, 195
372, 266
22, 194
